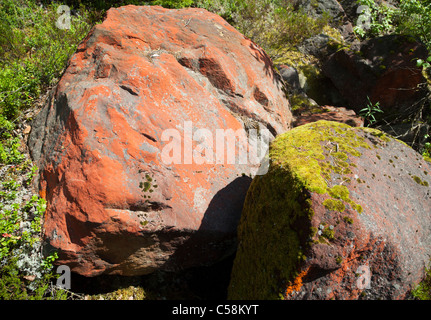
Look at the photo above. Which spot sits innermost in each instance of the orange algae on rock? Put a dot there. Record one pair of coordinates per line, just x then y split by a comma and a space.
297, 283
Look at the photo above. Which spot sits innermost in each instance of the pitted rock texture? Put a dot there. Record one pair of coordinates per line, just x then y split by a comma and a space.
139, 82
343, 213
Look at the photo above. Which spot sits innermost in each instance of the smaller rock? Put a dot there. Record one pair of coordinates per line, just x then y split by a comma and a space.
343, 213
384, 69
290, 76
330, 113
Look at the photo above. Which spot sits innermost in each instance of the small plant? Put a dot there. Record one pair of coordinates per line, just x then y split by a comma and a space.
426, 151
424, 63
369, 112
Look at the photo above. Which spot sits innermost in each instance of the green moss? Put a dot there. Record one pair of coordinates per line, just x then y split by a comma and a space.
146, 186
334, 205
275, 203
348, 220
316, 153
377, 133
300, 102
313, 231
339, 192
317, 148
420, 181
340, 156
328, 233
357, 207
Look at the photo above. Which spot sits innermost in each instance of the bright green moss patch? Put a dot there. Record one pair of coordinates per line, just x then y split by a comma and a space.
317, 152
339, 192
334, 205
377, 133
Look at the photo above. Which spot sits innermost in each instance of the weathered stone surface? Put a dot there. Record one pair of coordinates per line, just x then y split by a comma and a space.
290, 76
114, 205
336, 202
329, 113
384, 70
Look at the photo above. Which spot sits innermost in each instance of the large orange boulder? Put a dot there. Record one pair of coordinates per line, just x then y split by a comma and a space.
126, 147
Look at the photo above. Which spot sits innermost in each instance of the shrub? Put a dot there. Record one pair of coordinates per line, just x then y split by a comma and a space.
412, 17
33, 51
276, 25
378, 18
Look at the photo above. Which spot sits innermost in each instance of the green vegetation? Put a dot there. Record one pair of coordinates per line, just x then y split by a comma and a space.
376, 19
276, 25
426, 151
270, 248
411, 17
334, 205
24, 272
370, 112
420, 181
348, 220
319, 152
33, 54
129, 293
423, 290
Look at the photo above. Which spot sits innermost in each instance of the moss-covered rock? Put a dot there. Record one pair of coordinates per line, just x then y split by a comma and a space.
324, 202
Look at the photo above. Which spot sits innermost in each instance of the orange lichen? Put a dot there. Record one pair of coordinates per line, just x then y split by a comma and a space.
42, 193
297, 283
